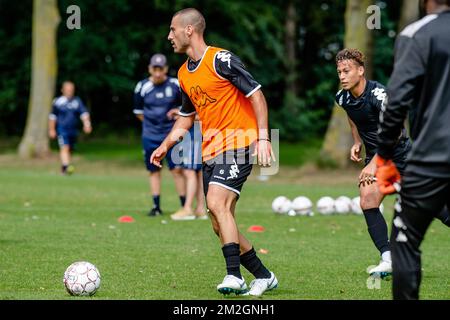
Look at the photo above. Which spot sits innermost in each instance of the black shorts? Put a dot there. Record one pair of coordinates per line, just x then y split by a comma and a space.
400, 154
173, 157
229, 170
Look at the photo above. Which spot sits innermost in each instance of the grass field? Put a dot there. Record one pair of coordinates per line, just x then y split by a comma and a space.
48, 221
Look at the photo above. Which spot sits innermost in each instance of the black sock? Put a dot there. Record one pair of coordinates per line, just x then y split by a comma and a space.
377, 227
231, 254
253, 264
182, 200
156, 201
64, 168
444, 216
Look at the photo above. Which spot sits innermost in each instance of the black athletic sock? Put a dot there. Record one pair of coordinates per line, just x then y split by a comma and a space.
444, 216
231, 254
253, 264
377, 227
182, 200
64, 168
156, 201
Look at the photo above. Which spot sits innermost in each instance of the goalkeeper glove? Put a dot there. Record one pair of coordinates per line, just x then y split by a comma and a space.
388, 177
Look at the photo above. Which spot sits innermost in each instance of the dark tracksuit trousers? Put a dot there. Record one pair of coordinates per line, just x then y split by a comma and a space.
420, 199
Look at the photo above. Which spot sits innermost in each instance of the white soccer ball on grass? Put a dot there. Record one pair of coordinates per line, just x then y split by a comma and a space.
343, 205
281, 205
356, 206
82, 279
325, 205
302, 206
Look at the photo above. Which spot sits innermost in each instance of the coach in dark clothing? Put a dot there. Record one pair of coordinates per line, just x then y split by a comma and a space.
419, 83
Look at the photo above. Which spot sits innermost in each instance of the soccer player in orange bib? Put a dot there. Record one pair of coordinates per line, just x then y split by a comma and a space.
233, 111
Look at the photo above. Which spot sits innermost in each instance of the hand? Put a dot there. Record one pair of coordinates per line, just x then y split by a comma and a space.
367, 175
264, 151
52, 133
172, 113
355, 152
158, 155
388, 177
87, 129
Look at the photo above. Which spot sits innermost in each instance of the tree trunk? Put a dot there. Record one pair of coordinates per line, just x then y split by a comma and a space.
290, 47
338, 139
409, 13
43, 78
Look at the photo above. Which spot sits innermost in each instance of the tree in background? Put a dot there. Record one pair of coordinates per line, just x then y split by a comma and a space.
289, 47
43, 79
338, 138
290, 40
302, 110
409, 13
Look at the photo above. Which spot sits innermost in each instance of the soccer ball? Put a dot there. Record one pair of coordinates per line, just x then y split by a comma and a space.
281, 205
356, 206
343, 205
325, 205
302, 206
81, 279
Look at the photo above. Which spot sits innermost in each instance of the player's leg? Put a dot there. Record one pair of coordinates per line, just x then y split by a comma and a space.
175, 163
155, 191
415, 208
371, 199
191, 188
220, 201
265, 280
195, 162
72, 141
200, 212
186, 212
154, 176
190, 178
64, 151
180, 184
244, 244
229, 177
64, 154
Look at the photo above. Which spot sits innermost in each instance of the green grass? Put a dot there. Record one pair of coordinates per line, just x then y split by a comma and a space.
48, 221
295, 154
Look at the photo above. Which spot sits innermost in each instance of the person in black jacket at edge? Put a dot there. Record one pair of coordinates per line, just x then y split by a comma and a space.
419, 84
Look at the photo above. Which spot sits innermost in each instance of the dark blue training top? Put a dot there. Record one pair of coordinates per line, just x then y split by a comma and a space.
154, 101
67, 113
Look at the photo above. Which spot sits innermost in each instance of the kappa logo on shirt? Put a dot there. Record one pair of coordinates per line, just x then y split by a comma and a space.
379, 93
200, 98
224, 56
72, 105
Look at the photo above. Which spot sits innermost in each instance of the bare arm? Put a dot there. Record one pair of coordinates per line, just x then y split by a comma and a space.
263, 145
52, 128
140, 117
87, 127
179, 129
260, 108
355, 151
355, 134
368, 172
